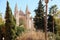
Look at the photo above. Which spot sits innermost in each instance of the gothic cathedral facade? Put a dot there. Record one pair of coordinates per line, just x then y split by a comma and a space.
23, 18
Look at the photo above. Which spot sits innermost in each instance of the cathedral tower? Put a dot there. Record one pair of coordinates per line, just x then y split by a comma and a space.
16, 15
23, 19
27, 11
27, 16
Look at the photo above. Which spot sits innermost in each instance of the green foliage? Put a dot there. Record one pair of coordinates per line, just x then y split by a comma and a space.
1, 26
51, 21
53, 9
2, 31
50, 24
9, 24
39, 17
51, 36
57, 37
19, 29
57, 20
1, 20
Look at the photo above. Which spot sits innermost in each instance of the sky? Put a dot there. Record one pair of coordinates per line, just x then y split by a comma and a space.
32, 5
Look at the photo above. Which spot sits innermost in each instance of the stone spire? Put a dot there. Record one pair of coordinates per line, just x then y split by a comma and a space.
26, 7
27, 10
16, 15
16, 10
16, 7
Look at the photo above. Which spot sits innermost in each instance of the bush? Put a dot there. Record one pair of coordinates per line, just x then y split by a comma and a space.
51, 35
57, 37
19, 30
2, 31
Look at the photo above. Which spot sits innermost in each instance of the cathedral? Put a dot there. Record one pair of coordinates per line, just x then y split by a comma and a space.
23, 18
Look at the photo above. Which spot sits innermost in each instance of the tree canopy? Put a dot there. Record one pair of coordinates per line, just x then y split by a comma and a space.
39, 17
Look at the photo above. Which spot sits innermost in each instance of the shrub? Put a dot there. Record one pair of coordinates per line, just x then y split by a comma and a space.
57, 37
19, 30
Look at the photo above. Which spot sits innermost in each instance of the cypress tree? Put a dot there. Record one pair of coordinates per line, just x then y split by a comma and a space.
39, 17
9, 23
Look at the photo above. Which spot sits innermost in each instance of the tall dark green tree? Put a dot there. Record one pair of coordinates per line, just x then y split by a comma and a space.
52, 10
9, 24
0, 33
50, 24
39, 17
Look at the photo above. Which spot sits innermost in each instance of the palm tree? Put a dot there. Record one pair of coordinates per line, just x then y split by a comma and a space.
53, 9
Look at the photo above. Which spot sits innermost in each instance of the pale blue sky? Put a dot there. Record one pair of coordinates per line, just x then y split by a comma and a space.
32, 4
